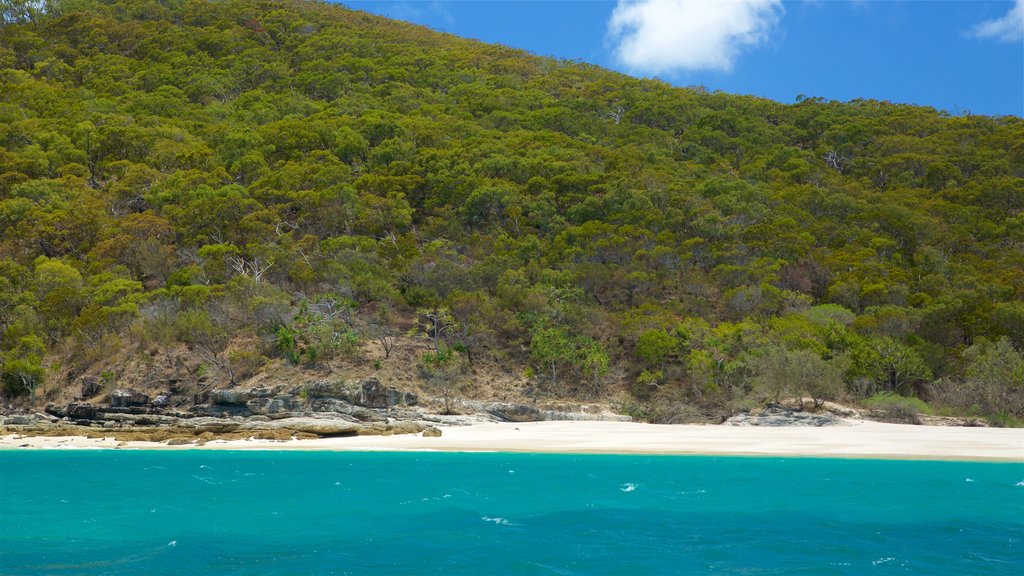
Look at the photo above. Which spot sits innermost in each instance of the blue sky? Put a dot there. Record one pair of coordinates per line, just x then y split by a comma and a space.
956, 55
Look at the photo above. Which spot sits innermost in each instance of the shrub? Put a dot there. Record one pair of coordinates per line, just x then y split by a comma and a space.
895, 408
244, 363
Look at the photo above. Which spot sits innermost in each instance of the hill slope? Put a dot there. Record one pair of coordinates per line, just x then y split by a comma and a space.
257, 188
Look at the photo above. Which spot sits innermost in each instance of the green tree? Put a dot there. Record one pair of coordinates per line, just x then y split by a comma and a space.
995, 377
890, 365
551, 347
779, 372
443, 374
656, 346
22, 371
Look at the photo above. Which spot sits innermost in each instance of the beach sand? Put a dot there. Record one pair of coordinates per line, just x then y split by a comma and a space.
857, 439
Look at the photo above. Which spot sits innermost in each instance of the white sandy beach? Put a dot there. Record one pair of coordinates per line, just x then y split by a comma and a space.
856, 440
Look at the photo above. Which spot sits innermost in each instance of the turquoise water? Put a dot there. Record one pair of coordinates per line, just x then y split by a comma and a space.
205, 512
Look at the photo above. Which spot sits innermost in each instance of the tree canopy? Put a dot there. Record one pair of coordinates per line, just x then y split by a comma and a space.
176, 171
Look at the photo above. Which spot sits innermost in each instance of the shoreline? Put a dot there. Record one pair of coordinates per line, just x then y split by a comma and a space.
855, 440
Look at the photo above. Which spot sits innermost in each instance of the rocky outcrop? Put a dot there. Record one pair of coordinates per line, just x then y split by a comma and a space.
778, 416
140, 419
581, 416
325, 389
330, 405
181, 441
370, 393
275, 405
510, 412
323, 427
127, 397
318, 409
90, 386
393, 427
230, 397
207, 424
80, 412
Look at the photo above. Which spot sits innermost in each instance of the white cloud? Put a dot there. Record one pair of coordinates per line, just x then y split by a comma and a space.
664, 36
1009, 28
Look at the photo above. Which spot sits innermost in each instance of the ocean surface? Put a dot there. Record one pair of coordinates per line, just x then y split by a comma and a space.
217, 513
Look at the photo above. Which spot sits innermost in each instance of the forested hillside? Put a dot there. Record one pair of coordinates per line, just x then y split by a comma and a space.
287, 188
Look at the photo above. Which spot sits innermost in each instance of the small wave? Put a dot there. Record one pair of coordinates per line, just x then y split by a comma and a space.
968, 479
498, 520
882, 561
1021, 483
172, 543
628, 487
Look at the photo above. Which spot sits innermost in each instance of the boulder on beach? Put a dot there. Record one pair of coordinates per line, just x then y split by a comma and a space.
777, 416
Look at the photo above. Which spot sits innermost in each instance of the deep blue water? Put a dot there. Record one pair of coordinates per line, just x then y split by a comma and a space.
217, 513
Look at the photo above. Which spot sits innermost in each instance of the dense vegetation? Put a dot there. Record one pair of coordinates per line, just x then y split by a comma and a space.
275, 183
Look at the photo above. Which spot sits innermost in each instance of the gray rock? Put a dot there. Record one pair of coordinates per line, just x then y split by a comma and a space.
230, 397
266, 391
368, 393
90, 386
209, 424
162, 401
220, 410
776, 416
81, 411
318, 426
600, 416
405, 415
275, 405
431, 432
127, 397
330, 405
372, 394
141, 419
41, 416
18, 420
366, 415
325, 389
459, 419
514, 412
404, 427
181, 442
